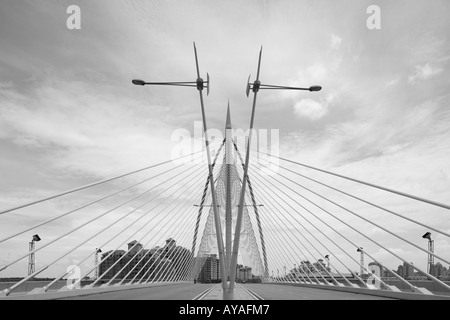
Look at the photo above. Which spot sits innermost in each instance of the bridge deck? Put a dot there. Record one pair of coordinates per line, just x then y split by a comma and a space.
283, 292
191, 291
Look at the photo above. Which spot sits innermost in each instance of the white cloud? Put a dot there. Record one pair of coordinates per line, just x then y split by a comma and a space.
317, 72
392, 82
5, 85
336, 41
78, 132
424, 72
311, 109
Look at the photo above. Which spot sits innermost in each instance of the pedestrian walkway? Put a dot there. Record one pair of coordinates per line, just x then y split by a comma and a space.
239, 294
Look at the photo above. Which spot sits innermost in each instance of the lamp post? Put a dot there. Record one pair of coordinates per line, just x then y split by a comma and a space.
295, 272
431, 250
97, 251
200, 84
327, 257
32, 257
361, 271
255, 87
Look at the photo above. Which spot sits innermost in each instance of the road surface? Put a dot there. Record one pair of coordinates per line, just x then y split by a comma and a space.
187, 291
182, 291
286, 292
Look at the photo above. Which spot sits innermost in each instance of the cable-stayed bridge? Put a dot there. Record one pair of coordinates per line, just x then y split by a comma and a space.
227, 225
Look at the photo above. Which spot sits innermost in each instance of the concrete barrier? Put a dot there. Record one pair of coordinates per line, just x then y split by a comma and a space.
82, 292
31, 285
372, 292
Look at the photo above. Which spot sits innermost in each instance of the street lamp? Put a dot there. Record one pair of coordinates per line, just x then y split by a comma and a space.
138, 82
315, 88
362, 261
327, 257
32, 257
431, 250
200, 84
296, 272
97, 251
255, 87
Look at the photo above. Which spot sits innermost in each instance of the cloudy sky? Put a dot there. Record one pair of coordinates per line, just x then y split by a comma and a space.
69, 114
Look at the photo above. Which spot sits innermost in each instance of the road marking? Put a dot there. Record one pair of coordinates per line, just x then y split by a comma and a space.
252, 293
204, 293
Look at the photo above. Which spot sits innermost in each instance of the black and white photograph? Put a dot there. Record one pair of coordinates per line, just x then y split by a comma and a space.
224, 158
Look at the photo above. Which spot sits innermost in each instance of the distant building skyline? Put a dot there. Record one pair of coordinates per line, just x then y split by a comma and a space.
437, 270
210, 270
151, 264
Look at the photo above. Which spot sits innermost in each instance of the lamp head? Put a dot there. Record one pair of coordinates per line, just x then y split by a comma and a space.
36, 238
427, 236
315, 88
138, 82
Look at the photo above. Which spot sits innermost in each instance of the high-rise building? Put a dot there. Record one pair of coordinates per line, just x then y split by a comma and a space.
210, 271
108, 267
170, 261
243, 273
320, 266
408, 270
134, 247
439, 270
400, 270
